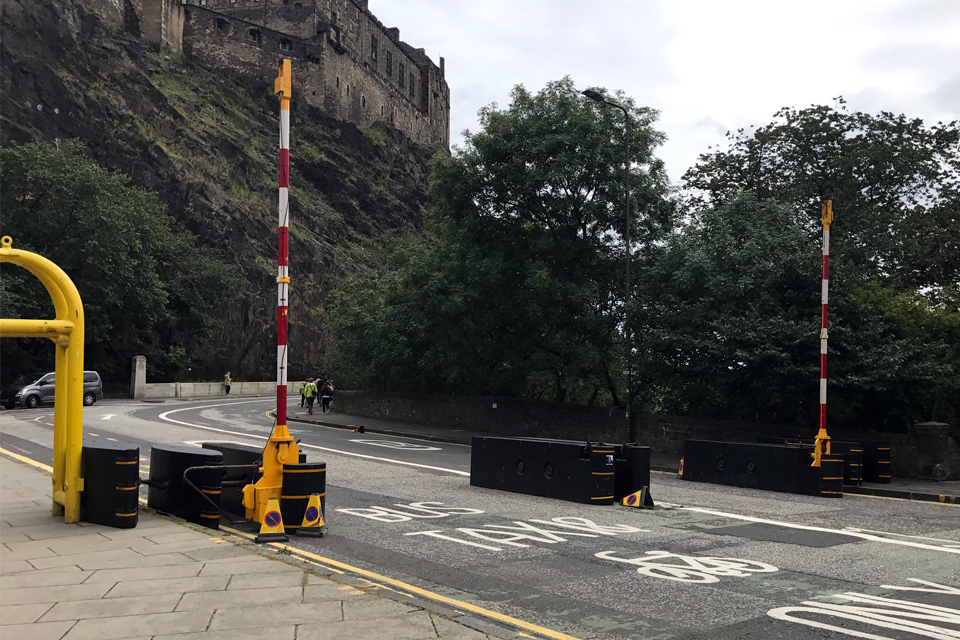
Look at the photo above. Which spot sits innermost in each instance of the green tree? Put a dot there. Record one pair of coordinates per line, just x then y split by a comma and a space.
520, 291
894, 182
727, 315
144, 288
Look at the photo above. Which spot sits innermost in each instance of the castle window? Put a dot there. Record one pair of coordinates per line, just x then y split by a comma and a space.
233, 1
338, 82
381, 110
413, 86
373, 48
363, 101
298, 5
203, 3
255, 35
333, 17
285, 44
222, 25
400, 76
389, 63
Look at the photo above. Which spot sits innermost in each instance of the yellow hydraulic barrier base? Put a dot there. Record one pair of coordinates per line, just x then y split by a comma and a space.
281, 449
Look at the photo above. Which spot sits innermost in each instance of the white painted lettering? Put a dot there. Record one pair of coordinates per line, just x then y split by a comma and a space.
583, 524
375, 513
454, 511
504, 537
436, 534
885, 613
523, 526
424, 513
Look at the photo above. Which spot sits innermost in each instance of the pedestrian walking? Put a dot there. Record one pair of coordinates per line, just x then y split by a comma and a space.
227, 381
303, 398
326, 395
310, 393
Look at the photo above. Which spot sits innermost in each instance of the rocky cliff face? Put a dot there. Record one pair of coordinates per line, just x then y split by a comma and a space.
206, 143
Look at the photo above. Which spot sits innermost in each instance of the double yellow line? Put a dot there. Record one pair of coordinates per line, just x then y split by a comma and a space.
340, 567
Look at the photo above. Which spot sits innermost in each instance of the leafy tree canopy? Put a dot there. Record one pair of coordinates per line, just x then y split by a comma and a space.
521, 290
145, 289
894, 182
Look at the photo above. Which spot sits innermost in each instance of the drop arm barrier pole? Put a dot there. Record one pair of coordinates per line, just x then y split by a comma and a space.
821, 445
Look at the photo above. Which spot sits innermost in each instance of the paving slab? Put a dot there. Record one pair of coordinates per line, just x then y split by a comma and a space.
270, 581
164, 585
22, 613
239, 598
413, 626
278, 632
68, 593
364, 608
142, 573
309, 613
142, 625
37, 630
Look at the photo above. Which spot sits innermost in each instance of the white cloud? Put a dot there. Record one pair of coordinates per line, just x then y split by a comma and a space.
707, 66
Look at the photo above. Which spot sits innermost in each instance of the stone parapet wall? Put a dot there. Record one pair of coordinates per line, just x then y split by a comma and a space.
926, 452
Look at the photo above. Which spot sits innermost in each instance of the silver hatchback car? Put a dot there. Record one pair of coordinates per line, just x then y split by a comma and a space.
31, 391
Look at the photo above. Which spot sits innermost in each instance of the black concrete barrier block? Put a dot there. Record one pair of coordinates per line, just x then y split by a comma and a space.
764, 466
632, 470
562, 469
111, 483
852, 452
231, 498
876, 462
831, 475
179, 498
300, 481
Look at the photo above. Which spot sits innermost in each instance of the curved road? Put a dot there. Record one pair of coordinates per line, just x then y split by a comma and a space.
708, 562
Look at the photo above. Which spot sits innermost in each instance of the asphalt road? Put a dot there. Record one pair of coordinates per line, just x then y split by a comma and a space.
709, 562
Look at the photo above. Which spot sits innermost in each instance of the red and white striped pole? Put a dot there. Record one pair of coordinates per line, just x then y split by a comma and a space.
283, 89
822, 441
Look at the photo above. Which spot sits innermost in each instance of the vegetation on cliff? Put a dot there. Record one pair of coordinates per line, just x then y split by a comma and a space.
205, 141
144, 289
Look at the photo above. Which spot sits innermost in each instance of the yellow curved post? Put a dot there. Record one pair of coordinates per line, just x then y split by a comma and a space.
66, 331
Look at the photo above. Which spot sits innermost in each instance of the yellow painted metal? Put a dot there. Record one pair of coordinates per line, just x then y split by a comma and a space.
283, 85
826, 214
67, 333
281, 449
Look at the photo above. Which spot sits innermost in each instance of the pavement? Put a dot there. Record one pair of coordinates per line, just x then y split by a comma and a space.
167, 580
947, 491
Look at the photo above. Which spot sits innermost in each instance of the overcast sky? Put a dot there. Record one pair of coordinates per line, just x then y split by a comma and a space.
707, 66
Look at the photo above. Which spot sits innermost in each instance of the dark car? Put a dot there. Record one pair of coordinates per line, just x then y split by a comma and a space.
31, 391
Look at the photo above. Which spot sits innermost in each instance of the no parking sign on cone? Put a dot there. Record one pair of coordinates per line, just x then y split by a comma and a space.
313, 523
271, 529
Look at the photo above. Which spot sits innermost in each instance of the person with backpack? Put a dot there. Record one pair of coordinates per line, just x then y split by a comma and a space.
310, 393
326, 395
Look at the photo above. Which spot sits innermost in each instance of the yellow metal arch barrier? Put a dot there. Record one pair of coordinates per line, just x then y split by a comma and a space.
66, 331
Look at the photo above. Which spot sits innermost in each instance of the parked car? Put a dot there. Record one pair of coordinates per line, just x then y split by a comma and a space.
31, 391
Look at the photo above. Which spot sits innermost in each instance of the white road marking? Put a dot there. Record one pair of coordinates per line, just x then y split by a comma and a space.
165, 416
902, 535
853, 534
109, 416
391, 444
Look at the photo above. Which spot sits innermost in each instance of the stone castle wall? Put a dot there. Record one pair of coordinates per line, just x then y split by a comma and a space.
346, 62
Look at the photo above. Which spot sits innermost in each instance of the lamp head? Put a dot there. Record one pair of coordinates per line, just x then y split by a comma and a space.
596, 96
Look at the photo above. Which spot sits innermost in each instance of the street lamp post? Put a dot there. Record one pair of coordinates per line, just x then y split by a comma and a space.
602, 99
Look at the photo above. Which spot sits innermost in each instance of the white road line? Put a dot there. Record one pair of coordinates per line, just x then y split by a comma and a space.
109, 416
902, 535
165, 416
853, 534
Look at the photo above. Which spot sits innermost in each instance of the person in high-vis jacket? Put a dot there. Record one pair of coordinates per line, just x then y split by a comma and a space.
310, 393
